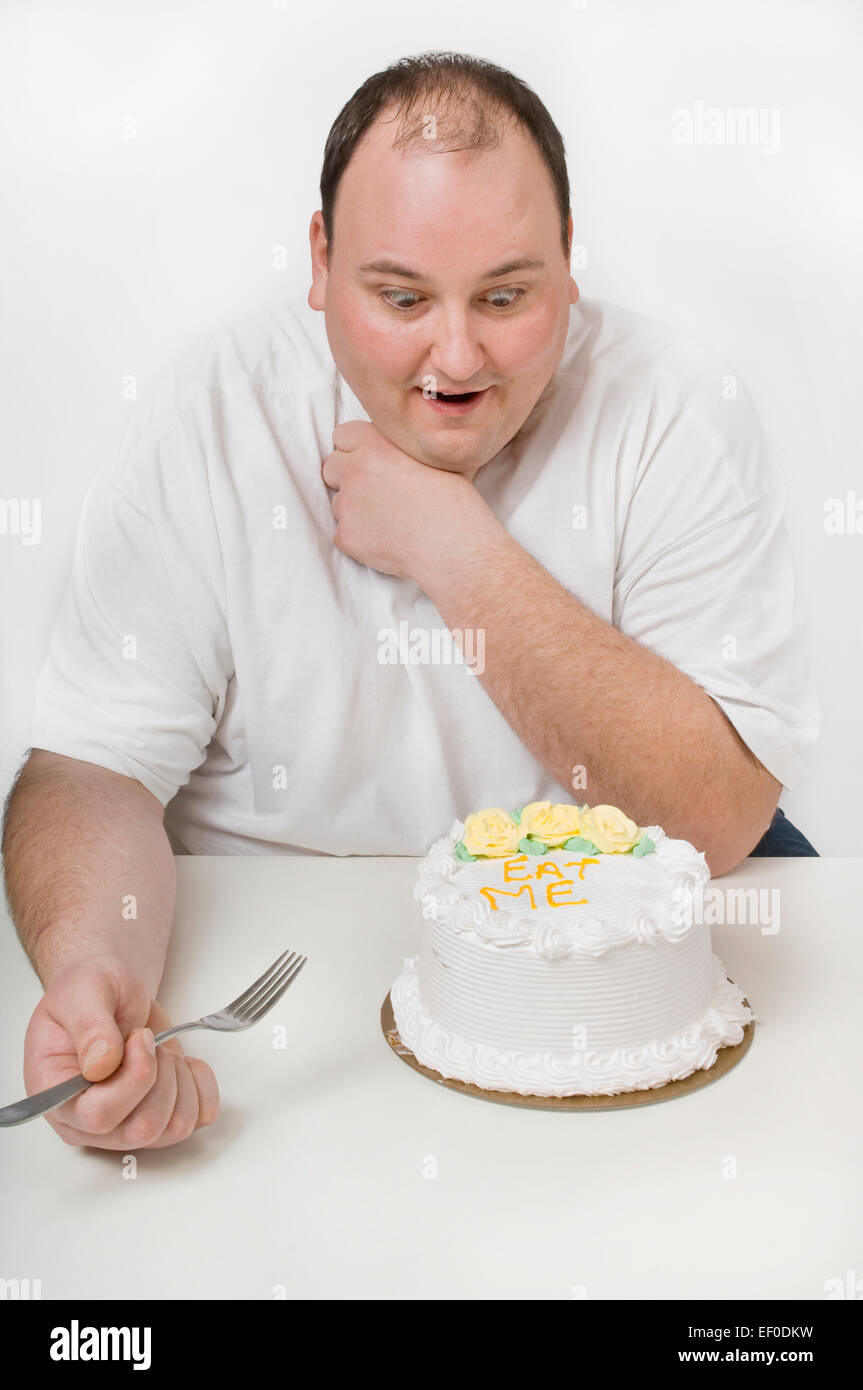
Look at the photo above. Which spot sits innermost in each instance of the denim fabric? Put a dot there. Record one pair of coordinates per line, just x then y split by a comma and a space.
783, 838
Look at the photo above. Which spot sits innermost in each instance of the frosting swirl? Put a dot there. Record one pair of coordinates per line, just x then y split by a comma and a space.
491, 833
551, 824
610, 830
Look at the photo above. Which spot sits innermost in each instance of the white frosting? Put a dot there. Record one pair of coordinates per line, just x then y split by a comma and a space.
620, 992
628, 899
577, 1071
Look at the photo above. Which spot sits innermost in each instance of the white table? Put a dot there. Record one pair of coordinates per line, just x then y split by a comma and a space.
313, 1182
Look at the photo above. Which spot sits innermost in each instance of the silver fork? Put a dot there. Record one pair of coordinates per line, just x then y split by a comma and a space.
242, 1012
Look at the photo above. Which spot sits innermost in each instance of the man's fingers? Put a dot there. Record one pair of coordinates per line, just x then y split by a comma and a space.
184, 1098
141, 1126
106, 1104
328, 471
146, 1124
183, 1118
86, 1009
208, 1090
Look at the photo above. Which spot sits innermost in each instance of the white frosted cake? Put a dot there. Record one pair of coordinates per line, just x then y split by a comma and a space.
562, 954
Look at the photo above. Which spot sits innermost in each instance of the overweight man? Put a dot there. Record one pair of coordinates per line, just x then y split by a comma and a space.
441, 536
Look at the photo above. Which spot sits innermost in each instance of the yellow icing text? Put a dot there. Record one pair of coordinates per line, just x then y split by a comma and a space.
518, 861
556, 889
579, 864
502, 892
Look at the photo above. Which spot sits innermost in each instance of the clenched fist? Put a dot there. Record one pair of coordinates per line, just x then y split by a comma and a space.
97, 1019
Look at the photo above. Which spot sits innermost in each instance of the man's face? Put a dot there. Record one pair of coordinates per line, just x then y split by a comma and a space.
451, 325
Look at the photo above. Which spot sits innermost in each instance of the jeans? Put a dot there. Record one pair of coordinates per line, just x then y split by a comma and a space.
783, 838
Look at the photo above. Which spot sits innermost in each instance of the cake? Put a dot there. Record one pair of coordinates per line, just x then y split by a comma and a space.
562, 954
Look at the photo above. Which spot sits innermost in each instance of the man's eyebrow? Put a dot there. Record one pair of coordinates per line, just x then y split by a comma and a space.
508, 268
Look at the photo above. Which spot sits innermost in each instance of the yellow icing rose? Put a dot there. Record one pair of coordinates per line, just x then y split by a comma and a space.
552, 824
492, 832
610, 830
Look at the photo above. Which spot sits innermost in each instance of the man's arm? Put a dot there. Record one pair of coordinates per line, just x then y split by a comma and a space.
578, 692
88, 868
90, 882
581, 694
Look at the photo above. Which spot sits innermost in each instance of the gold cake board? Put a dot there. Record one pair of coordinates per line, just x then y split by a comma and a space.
726, 1058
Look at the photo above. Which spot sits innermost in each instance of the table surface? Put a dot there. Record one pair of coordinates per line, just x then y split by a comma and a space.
335, 1171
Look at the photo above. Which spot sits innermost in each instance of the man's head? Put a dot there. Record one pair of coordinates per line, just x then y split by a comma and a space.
451, 169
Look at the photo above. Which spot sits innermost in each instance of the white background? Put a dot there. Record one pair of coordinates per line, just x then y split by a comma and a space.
118, 252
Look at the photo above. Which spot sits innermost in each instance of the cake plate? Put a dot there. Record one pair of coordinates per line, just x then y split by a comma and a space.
726, 1058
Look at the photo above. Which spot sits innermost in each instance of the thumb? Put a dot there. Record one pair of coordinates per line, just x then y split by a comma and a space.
87, 1012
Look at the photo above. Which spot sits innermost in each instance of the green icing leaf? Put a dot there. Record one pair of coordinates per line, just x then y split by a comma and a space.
516, 815
644, 846
578, 842
529, 846
464, 854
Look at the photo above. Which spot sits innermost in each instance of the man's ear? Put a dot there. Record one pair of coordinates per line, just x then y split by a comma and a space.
574, 292
319, 250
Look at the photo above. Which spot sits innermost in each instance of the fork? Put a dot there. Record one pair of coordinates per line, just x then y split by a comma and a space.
242, 1012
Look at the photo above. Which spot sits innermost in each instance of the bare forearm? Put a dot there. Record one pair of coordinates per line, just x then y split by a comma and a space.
581, 694
88, 868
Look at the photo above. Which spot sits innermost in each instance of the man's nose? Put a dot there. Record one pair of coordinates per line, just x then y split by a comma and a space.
455, 355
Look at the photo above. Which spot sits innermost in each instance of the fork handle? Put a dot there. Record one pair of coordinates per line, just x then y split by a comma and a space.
43, 1101
180, 1028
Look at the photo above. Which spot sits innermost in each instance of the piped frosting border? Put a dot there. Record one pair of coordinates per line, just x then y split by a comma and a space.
580, 1072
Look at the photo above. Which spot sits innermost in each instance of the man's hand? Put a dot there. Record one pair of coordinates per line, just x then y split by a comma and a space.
144, 1097
395, 514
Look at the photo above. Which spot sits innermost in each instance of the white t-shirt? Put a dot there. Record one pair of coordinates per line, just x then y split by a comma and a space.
215, 645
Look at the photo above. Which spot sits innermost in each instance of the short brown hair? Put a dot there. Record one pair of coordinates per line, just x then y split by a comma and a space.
473, 92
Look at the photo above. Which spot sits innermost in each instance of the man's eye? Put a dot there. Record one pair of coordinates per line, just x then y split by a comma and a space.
516, 294
399, 303
406, 299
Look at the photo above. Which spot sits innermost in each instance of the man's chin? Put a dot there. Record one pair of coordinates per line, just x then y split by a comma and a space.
458, 457
455, 462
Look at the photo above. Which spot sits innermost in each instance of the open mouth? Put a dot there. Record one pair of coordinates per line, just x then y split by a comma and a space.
454, 402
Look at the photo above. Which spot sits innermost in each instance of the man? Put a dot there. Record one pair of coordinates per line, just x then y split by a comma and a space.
297, 518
